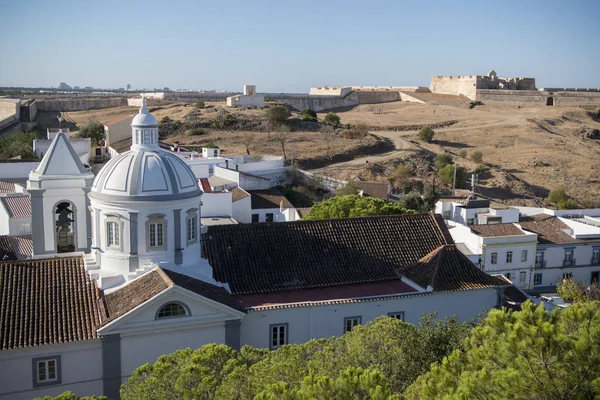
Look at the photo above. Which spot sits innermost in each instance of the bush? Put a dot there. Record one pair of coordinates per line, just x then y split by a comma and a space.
310, 118
446, 175
168, 126
426, 134
196, 132
558, 195
211, 145
477, 156
481, 168
222, 121
200, 104
401, 177
276, 115
17, 144
357, 131
441, 160
568, 204
348, 188
414, 201
307, 112
463, 153
93, 130
332, 119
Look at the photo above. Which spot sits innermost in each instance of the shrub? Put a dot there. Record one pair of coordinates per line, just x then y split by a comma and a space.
222, 121
426, 134
355, 132
559, 194
568, 204
276, 115
441, 160
93, 130
307, 112
477, 156
401, 177
211, 145
481, 168
446, 175
268, 99
200, 104
332, 119
463, 153
348, 188
196, 132
414, 201
310, 118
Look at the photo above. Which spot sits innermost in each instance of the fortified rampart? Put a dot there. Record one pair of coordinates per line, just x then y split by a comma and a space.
79, 103
540, 97
468, 85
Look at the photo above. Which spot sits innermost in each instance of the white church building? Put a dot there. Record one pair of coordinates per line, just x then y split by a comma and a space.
122, 272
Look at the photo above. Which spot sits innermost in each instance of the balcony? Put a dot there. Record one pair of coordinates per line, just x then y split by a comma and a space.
568, 263
540, 264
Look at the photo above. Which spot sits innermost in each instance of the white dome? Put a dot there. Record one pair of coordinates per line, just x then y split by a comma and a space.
144, 120
146, 175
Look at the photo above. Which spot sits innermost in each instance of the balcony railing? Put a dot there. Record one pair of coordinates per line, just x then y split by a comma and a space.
568, 263
540, 264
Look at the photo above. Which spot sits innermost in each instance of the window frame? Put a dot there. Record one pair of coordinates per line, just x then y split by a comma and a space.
192, 215
396, 314
35, 362
508, 275
522, 276
537, 281
286, 331
358, 318
156, 219
509, 257
524, 255
494, 258
270, 215
118, 221
255, 217
184, 306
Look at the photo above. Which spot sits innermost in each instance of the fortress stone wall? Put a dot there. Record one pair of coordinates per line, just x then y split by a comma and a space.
79, 103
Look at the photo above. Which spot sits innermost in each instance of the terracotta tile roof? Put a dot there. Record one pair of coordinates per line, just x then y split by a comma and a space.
121, 146
46, 301
270, 198
17, 206
494, 230
14, 248
142, 289
127, 117
7, 187
205, 185
257, 258
238, 194
447, 269
513, 296
374, 189
302, 211
548, 227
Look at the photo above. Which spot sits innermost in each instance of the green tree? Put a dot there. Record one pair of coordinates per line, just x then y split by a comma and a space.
446, 175
477, 157
18, 144
578, 292
426, 134
277, 115
71, 396
354, 206
308, 115
93, 130
441, 160
349, 188
332, 119
401, 177
414, 201
531, 354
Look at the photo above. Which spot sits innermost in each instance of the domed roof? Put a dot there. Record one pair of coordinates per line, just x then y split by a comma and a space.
144, 118
146, 175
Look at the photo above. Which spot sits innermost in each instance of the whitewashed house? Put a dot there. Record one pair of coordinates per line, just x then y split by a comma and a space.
122, 272
475, 211
15, 214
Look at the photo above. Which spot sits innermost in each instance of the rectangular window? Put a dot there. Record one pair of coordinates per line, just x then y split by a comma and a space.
191, 229
523, 255
537, 279
595, 256
112, 234
567, 275
46, 371
254, 218
278, 336
539, 259
351, 322
522, 276
156, 234
470, 221
507, 275
568, 258
397, 315
509, 255
494, 258
269, 217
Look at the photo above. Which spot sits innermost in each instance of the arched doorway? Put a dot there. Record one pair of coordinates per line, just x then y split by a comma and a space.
64, 222
550, 101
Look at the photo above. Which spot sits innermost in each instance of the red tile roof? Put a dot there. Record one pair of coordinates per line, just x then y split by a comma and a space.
378, 190
46, 301
120, 302
14, 248
496, 230
447, 269
549, 229
259, 258
270, 198
17, 206
238, 194
205, 185
7, 187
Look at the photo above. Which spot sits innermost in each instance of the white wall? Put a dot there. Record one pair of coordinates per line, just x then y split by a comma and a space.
81, 370
312, 322
242, 210
82, 147
278, 216
551, 276
17, 169
217, 205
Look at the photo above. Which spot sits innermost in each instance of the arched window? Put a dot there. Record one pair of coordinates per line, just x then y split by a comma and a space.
173, 309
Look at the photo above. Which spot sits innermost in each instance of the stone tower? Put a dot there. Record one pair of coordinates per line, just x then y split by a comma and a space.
60, 219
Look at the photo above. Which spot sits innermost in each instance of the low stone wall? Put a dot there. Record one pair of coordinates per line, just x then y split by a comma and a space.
512, 97
80, 103
316, 103
576, 98
368, 97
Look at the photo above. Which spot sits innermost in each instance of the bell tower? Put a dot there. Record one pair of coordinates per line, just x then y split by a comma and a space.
60, 219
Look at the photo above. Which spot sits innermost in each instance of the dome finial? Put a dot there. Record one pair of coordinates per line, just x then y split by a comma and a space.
143, 109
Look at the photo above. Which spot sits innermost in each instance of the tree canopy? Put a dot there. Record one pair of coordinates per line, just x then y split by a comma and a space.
354, 206
93, 130
17, 144
532, 354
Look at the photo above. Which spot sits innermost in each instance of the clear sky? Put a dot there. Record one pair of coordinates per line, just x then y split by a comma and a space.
289, 46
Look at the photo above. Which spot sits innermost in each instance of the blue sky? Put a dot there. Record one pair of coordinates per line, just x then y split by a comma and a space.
289, 46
